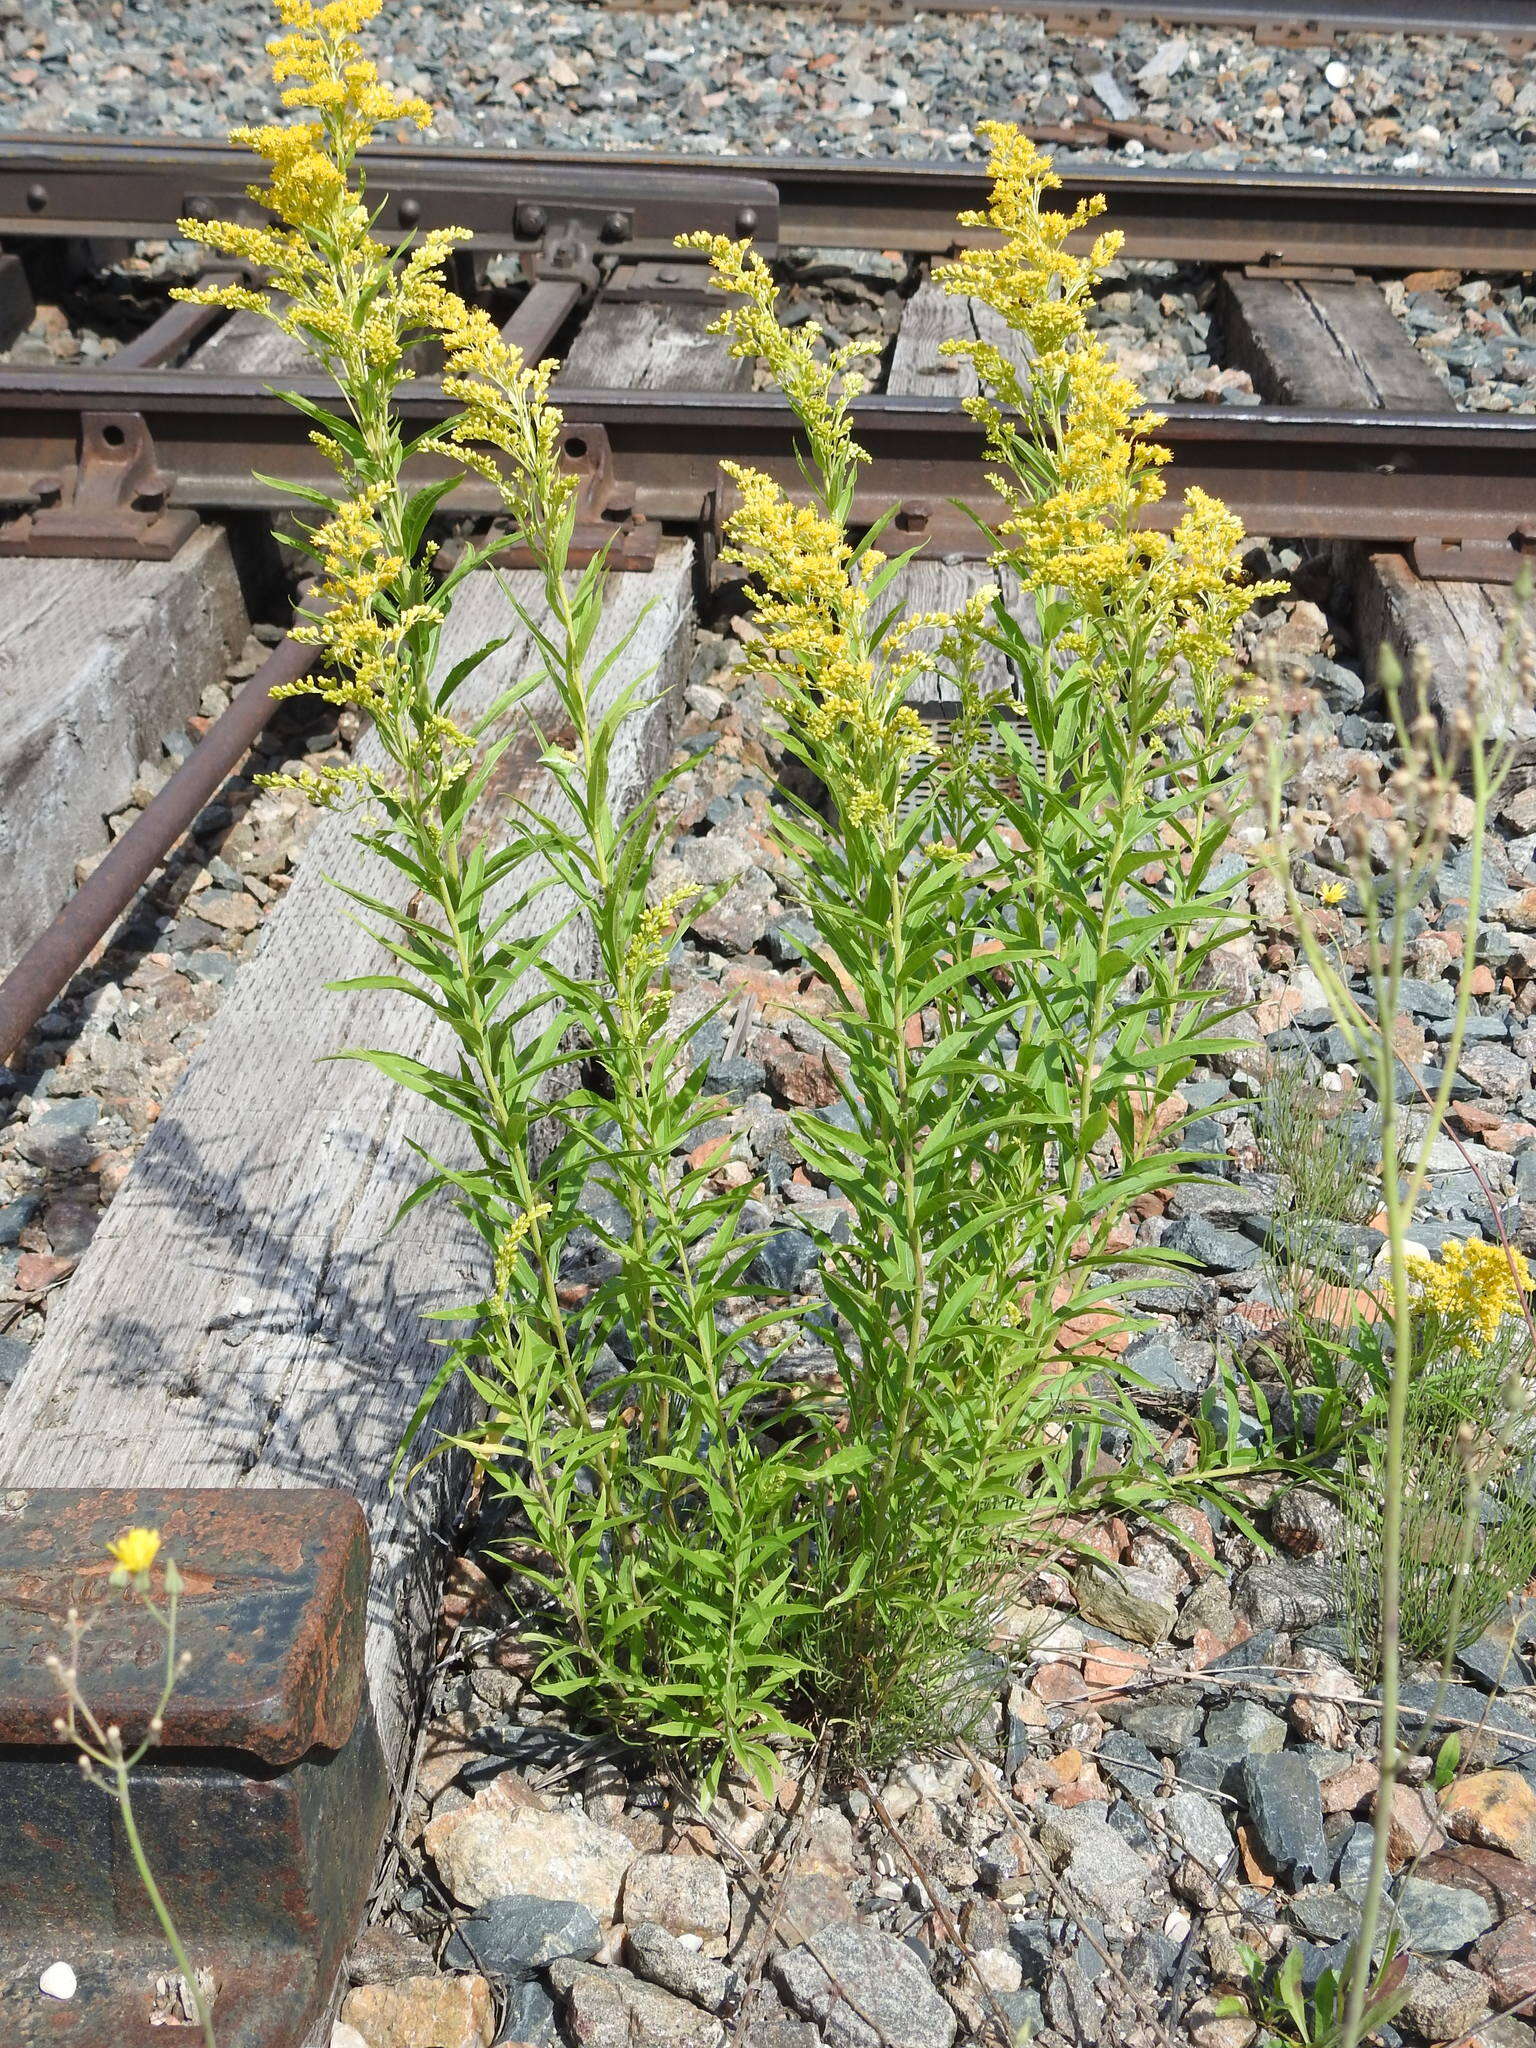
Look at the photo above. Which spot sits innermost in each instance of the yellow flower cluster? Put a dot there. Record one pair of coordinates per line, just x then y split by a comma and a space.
1080, 468
812, 601
651, 940
360, 310
841, 679
1196, 584
336, 286
1472, 1287
335, 78
505, 403
373, 644
642, 994
1033, 279
511, 1242
819, 387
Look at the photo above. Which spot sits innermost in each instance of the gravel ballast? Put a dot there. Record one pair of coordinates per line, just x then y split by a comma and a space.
721, 77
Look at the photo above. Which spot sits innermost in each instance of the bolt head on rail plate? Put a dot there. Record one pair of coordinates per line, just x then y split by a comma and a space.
261, 1810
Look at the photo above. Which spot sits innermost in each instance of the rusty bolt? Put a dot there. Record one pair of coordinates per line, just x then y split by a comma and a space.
530, 221
37, 197
410, 212
913, 518
746, 220
616, 227
48, 490
671, 275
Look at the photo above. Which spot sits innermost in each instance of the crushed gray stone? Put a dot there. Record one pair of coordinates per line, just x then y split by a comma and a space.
720, 77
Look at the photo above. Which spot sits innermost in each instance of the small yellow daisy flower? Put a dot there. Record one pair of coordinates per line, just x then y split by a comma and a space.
1332, 893
136, 1549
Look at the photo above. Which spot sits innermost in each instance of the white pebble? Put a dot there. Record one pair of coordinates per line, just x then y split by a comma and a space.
1337, 74
57, 1981
1177, 1925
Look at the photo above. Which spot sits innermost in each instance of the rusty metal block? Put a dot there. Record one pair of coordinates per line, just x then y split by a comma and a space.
262, 1811
118, 510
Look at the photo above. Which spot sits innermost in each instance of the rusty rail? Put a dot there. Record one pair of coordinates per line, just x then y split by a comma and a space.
56, 185
1393, 480
51, 961
59, 185
1509, 22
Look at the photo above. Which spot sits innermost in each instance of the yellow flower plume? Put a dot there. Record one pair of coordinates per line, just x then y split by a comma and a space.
1079, 468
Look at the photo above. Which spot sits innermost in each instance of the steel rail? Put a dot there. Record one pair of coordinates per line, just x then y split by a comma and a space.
57, 954
60, 185
1386, 478
1378, 224
1512, 22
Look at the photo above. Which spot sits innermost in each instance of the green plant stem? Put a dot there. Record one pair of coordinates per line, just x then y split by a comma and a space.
124, 1799
1400, 1201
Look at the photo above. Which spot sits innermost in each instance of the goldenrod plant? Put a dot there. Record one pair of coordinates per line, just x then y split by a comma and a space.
1468, 1519
1453, 1334
108, 1759
1015, 960
1013, 937
635, 1433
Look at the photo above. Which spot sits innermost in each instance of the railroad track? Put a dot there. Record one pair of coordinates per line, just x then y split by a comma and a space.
1511, 22
239, 1320
1398, 468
